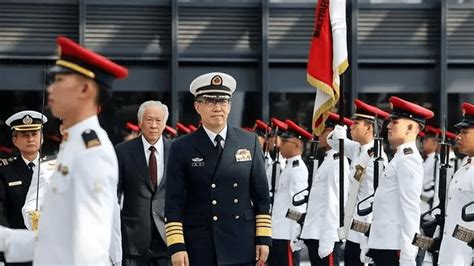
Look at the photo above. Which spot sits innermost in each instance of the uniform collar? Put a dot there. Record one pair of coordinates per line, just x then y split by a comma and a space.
331, 152
213, 135
77, 129
158, 145
367, 146
431, 155
35, 161
294, 158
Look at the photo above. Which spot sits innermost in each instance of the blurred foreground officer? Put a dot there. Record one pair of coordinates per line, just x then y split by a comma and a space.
453, 250
217, 204
293, 179
430, 167
18, 173
142, 164
76, 222
396, 209
360, 150
322, 218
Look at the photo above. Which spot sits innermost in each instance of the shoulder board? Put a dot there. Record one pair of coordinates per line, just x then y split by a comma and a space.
5, 162
48, 158
336, 156
371, 152
296, 163
90, 138
407, 151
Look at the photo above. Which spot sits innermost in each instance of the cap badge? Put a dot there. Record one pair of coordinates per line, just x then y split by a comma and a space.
216, 81
27, 120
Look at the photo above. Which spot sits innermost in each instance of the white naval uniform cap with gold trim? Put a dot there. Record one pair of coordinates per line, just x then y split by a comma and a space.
213, 85
27, 120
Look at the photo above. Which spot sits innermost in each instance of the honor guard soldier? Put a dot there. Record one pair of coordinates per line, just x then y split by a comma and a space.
457, 231
293, 178
78, 212
322, 218
396, 207
430, 142
217, 205
263, 131
360, 150
276, 162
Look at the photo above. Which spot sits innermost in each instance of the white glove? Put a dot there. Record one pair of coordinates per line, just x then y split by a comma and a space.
340, 132
364, 258
408, 256
295, 231
4, 232
324, 250
296, 245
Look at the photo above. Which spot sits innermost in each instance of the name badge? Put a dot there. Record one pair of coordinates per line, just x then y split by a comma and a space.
243, 155
197, 162
14, 183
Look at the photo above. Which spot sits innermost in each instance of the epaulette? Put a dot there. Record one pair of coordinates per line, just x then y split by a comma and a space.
48, 158
296, 163
371, 152
336, 155
90, 138
5, 162
407, 151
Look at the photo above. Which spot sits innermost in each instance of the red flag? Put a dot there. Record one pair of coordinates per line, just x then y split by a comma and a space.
327, 58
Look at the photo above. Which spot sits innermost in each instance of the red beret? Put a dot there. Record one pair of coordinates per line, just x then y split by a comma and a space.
192, 128
421, 134
333, 119
182, 128
171, 131
405, 109
132, 127
279, 124
74, 58
467, 117
296, 131
261, 128
450, 135
432, 132
366, 111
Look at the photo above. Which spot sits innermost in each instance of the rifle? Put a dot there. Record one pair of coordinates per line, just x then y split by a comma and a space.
312, 167
427, 242
276, 166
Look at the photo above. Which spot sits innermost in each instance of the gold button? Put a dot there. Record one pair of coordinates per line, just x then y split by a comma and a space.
237, 217
236, 185
236, 201
213, 185
214, 218
214, 202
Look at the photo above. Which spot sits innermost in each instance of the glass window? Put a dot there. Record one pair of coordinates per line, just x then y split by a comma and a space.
297, 107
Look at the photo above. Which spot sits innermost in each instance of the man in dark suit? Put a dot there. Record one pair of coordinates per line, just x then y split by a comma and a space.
142, 164
217, 201
16, 172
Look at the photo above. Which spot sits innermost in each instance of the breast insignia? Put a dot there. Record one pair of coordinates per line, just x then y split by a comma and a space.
296, 163
407, 151
90, 138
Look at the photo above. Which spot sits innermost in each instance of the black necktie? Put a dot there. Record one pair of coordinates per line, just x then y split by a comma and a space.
153, 167
218, 140
31, 165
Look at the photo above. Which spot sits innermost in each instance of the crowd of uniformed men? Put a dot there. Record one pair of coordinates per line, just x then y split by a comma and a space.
221, 195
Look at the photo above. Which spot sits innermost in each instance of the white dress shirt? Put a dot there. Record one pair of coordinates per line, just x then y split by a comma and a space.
159, 155
213, 135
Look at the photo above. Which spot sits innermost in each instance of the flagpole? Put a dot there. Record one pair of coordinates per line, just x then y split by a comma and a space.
341, 154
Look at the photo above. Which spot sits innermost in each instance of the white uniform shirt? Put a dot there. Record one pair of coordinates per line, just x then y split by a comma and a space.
396, 209
269, 170
159, 155
76, 222
293, 179
461, 192
430, 169
322, 217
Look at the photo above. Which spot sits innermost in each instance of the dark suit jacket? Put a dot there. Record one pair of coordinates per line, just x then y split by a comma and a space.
15, 179
143, 208
216, 201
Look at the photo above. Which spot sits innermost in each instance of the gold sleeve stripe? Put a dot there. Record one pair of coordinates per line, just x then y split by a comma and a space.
177, 231
173, 223
264, 231
174, 228
262, 219
266, 216
174, 239
264, 224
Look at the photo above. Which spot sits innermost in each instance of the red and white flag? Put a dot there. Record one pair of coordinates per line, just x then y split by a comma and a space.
327, 58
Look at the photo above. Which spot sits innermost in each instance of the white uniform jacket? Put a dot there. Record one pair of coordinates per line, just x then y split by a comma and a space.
360, 156
430, 169
269, 170
396, 209
461, 192
293, 179
76, 222
322, 217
